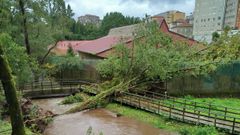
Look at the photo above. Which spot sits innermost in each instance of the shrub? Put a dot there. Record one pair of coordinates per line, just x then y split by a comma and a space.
72, 99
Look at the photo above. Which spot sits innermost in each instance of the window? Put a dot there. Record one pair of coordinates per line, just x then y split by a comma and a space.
219, 18
213, 19
208, 19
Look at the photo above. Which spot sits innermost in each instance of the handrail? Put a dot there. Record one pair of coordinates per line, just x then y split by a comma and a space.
232, 124
148, 98
212, 104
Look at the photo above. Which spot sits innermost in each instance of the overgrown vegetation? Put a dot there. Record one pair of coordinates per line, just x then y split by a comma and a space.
23, 66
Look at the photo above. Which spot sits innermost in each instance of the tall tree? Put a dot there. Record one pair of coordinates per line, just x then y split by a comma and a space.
22, 4
11, 95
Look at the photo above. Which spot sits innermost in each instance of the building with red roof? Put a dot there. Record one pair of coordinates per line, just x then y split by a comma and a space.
103, 47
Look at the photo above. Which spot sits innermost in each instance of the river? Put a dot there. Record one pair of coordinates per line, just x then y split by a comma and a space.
100, 120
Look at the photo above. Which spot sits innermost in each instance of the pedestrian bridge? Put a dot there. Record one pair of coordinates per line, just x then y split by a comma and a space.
48, 89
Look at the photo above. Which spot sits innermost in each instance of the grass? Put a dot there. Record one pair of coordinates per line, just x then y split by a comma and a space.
162, 122
5, 129
217, 105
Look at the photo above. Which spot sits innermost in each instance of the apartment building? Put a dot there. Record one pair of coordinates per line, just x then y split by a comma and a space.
232, 14
208, 18
172, 16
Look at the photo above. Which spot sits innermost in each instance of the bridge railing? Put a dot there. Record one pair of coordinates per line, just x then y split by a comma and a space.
52, 87
183, 113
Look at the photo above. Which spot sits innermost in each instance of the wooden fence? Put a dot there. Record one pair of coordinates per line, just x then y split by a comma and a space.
174, 108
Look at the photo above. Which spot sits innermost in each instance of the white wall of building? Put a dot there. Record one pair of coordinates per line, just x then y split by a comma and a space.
208, 18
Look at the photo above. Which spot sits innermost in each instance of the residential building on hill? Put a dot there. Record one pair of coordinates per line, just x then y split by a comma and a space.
232, 14
190, 18
172, 16
208, 18
93, 19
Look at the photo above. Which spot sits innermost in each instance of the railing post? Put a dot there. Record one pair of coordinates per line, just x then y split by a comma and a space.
195, 104
51, 87
183, 117
148, 106
139, 102
121, 100
198, 118
209, 109
215, 120
225, 113
233, 127
42, 87
170, 111
130, 99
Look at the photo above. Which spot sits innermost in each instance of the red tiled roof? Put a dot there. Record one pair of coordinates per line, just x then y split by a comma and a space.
106, 43
89, 46
98, 45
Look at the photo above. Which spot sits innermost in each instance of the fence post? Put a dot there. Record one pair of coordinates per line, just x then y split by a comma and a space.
225, 113
198, 118
51, 87
233, 127
183, 117
139, 104
209, 109
215, 120
130, 99
42, 87
170, 111
158, 107
195, 104
121, 100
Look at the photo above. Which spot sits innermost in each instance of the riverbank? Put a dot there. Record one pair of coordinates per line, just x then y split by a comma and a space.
5, 129
161, 122
98, 120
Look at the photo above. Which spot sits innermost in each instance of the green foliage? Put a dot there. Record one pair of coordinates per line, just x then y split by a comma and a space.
92, 31
154, 56
21, 64
215, 36
61, 63
116, 19
72, 99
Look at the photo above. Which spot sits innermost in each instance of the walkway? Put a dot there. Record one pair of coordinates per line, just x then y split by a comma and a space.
182, 111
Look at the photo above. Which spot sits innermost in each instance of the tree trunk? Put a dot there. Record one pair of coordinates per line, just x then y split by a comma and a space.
25, 28
11, 96
48, 52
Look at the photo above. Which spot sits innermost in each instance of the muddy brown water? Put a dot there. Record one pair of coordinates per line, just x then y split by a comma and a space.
100, 120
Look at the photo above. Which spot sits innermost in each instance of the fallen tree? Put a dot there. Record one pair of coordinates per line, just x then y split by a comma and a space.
106, 89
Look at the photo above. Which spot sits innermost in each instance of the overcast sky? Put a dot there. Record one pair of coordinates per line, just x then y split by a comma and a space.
136, 8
